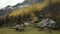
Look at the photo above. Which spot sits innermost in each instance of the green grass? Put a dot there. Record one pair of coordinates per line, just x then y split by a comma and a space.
28, 30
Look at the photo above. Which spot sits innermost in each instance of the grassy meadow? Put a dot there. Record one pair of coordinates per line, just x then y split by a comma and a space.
28, 30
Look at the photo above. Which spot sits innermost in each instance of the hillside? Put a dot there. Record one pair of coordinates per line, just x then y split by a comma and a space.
49, 8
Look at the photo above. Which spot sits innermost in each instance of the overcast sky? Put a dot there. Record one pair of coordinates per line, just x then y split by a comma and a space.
4, 3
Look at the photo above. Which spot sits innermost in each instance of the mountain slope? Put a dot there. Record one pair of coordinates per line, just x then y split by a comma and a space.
48, 8
29, 9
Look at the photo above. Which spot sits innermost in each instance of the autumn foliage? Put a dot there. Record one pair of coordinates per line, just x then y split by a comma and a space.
47, 8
